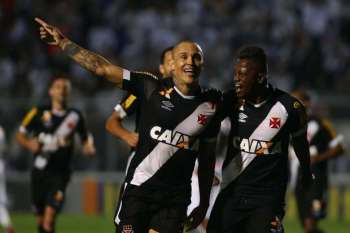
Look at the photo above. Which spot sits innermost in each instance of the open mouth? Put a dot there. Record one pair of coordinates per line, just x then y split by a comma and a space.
238, 88
190, 71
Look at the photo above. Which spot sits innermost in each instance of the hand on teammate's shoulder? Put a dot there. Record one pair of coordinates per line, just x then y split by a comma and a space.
212, 95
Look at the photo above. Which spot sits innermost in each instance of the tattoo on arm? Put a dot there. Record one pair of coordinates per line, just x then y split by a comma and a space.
87, 59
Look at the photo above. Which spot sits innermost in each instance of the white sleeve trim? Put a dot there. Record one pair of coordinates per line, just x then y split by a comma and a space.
336, 141
126, 74
22, 129
119, 109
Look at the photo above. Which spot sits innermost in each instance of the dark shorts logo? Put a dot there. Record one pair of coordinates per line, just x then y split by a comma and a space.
276, 225
127, 229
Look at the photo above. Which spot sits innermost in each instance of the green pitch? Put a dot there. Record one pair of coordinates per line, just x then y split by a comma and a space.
68, 223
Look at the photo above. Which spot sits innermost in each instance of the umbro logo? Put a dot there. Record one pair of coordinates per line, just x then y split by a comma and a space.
242, 117
166, 104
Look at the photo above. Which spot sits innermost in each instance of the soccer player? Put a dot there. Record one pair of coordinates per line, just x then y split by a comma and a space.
130, 105
48, 132
255, 171
325, 144
175, 126
5, 220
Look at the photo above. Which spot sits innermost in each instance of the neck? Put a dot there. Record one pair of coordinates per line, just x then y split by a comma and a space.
187, 89
58, 106
259, 96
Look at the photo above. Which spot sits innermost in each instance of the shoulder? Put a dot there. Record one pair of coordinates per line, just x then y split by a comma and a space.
145, 75
74, 110
289, 102
38, 110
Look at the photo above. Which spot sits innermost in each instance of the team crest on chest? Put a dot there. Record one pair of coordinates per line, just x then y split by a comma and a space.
202, 119
275, 122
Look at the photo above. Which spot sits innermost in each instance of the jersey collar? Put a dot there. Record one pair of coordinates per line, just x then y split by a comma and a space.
271, 89
184, 96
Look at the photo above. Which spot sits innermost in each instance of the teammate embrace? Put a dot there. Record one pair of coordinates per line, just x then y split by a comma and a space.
178, 124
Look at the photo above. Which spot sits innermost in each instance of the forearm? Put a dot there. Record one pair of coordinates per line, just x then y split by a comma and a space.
92, 61
114, 127
301, 148
23, 140
206, 165
330, 153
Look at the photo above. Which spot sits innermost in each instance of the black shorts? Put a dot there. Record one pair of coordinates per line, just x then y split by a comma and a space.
139, 215
311, 203
241, 215
48, 190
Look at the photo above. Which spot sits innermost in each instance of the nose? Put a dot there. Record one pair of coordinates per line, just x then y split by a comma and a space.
190, 60
236, 78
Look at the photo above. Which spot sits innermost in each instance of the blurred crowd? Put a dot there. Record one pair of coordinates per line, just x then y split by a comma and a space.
307, 41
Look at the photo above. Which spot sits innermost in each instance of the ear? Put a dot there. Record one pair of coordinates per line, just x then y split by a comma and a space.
50, 91
161, 69
261, 78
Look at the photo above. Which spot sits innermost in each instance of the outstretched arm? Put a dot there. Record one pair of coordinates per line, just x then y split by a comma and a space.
87, 59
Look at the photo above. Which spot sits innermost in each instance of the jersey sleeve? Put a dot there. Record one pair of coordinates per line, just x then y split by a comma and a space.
81, 128
127, 106
298, 119
30, 120
140, 84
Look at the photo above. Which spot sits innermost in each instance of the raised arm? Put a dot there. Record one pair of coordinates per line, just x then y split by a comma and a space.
87, 59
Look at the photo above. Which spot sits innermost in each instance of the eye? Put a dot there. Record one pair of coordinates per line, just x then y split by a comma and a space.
197, 57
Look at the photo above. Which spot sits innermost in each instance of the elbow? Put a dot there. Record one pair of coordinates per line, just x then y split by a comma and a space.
108, 125
19, 137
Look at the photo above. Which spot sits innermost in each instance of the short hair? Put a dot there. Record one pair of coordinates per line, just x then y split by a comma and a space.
188, 41
162, 57
255, 53
57, 77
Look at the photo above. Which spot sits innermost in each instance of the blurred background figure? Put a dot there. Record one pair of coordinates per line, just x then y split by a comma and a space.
325, 144
5, 220
48, 132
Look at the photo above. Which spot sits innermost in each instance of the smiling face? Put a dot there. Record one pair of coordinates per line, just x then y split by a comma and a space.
188, 62
246, 75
